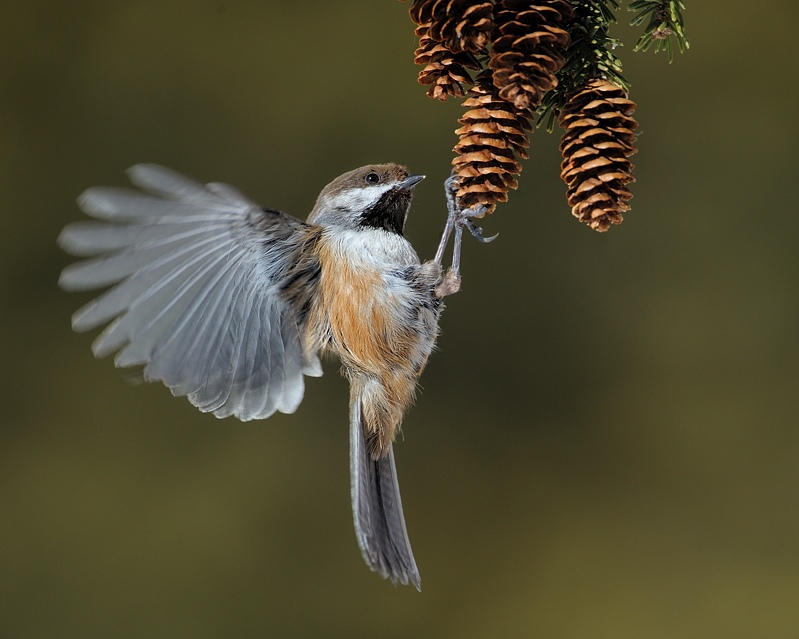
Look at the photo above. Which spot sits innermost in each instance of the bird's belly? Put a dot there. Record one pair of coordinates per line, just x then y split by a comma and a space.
365, 321
379, 317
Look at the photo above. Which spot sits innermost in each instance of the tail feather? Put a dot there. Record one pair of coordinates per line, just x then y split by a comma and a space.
377, 508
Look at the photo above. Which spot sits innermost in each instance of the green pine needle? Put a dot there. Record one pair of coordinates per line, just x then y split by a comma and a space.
590, 52
665, 25
589, 55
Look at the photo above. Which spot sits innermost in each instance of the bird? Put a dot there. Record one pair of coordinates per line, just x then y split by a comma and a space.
231, 304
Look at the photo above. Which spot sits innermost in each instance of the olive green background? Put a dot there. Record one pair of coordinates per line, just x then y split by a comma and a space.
606, 444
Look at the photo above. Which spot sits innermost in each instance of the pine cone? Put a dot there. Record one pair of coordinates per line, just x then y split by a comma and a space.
492, 139
422, 11
460, 25
526, 49
599, 137
444, 70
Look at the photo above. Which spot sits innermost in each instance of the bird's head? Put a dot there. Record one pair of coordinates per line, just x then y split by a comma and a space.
373, 196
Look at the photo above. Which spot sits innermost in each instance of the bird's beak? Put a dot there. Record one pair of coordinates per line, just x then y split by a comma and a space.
411, 181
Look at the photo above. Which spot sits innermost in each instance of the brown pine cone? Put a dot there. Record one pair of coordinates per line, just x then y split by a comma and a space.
526, 51
598, 140
492, 139
461, 25
421, 11
444, 71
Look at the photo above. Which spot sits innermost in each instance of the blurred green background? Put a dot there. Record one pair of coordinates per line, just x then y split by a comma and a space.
606, 444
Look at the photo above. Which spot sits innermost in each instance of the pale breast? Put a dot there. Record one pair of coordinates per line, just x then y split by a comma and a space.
378, 312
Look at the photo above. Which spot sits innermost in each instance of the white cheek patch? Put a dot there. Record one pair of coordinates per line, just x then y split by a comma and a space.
358, 199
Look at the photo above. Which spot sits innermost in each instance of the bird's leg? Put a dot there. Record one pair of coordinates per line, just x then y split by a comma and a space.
450, 186
457, 218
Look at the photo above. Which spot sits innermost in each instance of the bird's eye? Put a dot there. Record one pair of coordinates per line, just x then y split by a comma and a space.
372, 178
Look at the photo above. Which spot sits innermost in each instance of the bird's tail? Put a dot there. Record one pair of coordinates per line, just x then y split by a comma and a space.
377, 507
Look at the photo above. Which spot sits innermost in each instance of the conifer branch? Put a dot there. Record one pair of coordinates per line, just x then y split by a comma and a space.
665, 22
588, 56
550, 58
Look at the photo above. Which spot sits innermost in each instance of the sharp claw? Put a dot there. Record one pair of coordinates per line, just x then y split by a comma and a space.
465, 219
478, 232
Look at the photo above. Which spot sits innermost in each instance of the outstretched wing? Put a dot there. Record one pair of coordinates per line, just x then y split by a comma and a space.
200, 273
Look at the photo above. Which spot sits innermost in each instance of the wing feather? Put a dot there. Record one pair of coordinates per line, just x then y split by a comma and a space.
197, 273
167, 274
168, 183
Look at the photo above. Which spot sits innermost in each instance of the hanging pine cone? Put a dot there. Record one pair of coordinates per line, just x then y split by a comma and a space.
460, 25
443, 70
526, 51
492, 139
599, 137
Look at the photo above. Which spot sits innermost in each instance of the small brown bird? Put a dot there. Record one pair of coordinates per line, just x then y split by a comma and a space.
230, 304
